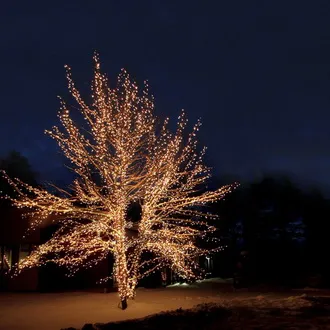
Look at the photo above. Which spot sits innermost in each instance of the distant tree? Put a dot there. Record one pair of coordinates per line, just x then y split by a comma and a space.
16, 166
316, 219
267, 218
273, 203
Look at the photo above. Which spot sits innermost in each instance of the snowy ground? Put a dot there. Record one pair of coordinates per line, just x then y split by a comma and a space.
293, 313
54, 311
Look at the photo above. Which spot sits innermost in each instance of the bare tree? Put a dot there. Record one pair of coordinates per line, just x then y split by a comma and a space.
123, 157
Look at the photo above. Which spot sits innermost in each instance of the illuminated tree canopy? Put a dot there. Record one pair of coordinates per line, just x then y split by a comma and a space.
123, 156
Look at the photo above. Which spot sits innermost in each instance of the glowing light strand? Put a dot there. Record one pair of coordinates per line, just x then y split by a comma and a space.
123, 158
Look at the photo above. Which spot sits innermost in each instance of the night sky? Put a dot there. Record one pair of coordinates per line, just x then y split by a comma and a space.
256, 72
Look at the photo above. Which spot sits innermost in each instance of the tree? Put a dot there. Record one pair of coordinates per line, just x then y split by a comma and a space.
18, 166
123, 158
267, 218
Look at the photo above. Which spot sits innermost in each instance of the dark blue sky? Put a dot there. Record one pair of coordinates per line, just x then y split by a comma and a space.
256, 72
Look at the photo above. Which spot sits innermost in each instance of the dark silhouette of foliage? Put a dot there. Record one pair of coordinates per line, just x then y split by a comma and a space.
16, 166
283, 227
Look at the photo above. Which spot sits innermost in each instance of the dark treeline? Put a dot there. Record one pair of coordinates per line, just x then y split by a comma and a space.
283, 228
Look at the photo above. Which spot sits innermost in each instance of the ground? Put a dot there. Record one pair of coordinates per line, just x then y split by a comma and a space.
55, 311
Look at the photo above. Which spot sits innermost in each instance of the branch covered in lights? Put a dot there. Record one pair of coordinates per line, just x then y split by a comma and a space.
121, 156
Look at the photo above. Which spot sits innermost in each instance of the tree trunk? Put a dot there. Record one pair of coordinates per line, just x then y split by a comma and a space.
2, 255
121, 274
2, 260
123, 303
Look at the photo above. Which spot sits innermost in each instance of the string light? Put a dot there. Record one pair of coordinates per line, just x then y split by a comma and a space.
4, 262
123, 158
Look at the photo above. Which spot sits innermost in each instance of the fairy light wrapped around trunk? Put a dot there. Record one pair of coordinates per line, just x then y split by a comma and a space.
123, 156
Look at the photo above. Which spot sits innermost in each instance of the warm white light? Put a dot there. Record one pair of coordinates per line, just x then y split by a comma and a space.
123, 157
